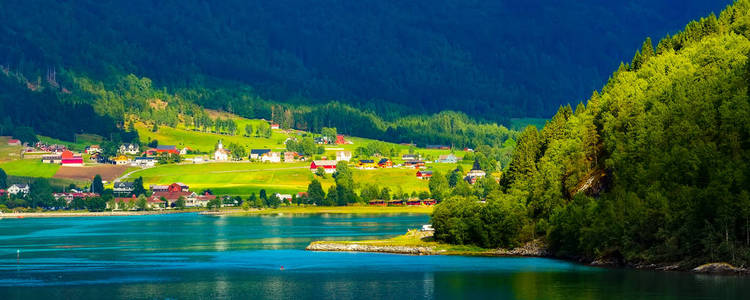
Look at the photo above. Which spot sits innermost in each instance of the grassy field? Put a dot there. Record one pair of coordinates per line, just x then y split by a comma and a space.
336, 210
243, 178
8, 153
415, 238
29, 168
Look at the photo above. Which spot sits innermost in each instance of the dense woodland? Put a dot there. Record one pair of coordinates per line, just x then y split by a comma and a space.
489, 59
654, 168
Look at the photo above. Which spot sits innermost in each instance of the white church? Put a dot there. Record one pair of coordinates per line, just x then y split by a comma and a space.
221, 154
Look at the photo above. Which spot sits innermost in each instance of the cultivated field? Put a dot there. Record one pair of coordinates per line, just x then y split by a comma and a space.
108, 172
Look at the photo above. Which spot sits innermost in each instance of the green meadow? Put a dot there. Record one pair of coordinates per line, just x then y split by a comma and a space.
29, 168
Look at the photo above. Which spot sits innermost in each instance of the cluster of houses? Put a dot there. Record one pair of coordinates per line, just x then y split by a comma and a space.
471, 177
65, 158
324, 140
162, 196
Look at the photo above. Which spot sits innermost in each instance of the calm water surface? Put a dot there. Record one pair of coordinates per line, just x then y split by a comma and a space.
193, 256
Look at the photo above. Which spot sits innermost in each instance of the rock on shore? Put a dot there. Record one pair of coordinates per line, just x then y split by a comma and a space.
369, 248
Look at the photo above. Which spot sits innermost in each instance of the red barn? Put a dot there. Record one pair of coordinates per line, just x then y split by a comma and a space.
340, 139
70, 159
329, 166
424, 174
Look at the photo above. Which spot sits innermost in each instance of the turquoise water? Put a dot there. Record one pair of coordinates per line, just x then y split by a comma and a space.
193, 256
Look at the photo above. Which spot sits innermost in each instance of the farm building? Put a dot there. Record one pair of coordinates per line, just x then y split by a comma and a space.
68, 158
447, 159
275, 126
421, 174
340, 140
378, 202
163, 149
175, 187
258, 153
367, 164
343, 155
329, 166
14, 142
51, 159
131, 149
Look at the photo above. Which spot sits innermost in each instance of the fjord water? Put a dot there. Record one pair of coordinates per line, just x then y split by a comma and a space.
196, 256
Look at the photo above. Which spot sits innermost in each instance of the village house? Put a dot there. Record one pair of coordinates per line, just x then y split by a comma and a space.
256, 154
406, 157
290, 156
422, 174
284, 197
174, 187
474, 175
385, 163
162, 149
420, 202
131, 149
340, 140
69, 197
14, 142
378, 202
414, 163
19, 188
71, 159
143, 162
343, 155
447, 159
192, 199
275, 126
123, 188
329, 166
221, 154
93, 149
367, 164
122, 160
271, 157
395, 202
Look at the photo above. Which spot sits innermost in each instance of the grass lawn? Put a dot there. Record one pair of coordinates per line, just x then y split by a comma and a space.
29, 168
416, 238
338, 210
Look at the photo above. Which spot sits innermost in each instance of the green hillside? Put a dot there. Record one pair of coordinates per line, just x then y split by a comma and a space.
654, 169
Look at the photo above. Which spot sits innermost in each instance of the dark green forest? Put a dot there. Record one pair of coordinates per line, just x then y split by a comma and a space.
652, 169
488, 59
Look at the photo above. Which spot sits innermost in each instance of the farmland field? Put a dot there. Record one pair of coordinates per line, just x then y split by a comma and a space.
108, 172
29, 168
246, 178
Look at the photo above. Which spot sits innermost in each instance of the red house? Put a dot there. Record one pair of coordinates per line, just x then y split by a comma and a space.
70, 159
340, 139
413, 202
329, 166
424, 174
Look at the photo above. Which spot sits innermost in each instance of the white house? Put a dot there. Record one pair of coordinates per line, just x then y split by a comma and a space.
144, 162
18, 189
273, 157
284, 197
221, 154
131, 149
449, 158
343, 155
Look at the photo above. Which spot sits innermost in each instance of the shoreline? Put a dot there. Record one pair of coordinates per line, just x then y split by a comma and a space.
419, 243
293, 210
24, 215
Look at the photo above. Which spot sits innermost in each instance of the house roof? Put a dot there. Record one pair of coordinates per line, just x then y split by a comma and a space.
166, 147
124, 184
21, 185
322, 163
424, 172
383, 160
366, 161
259, 151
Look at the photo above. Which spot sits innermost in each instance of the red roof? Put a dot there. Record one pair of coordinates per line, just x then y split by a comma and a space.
67, 154
325, 164
14, 141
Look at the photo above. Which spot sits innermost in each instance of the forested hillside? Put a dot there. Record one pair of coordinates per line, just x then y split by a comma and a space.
654, 169
489, 59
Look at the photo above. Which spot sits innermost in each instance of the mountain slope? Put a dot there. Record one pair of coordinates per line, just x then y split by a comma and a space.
490, 59
652, 170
